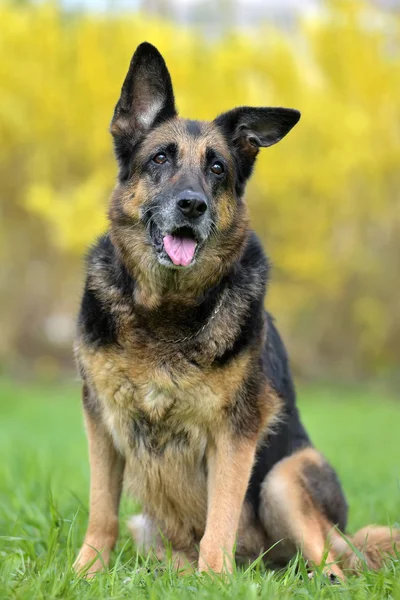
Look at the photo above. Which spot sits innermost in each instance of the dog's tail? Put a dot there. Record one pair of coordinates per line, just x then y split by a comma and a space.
369, 548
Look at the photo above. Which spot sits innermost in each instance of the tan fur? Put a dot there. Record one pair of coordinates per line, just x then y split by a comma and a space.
290, 517
229, 467
294, 521
374, 543
226, 487
106, 473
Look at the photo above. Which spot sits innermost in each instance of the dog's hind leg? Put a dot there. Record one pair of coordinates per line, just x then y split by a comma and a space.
300, 501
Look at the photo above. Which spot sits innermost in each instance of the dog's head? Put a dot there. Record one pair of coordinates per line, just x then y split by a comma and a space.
179, 199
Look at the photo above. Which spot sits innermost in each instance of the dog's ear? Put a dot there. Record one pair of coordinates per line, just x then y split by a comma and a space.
147, 99
248, 129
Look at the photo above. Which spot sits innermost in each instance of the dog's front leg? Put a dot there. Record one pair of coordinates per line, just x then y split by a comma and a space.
106, 476
230, 462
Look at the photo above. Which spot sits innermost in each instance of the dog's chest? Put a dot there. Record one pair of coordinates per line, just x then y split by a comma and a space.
160, 413
152, 401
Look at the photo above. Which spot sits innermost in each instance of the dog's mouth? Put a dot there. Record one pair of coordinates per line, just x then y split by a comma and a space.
179, 245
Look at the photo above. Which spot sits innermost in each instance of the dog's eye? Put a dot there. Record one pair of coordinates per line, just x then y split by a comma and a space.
160, 158
217, 168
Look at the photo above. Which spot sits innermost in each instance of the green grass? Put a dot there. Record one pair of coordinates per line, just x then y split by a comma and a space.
44, 492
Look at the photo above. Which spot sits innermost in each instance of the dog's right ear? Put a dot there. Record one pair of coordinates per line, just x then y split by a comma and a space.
147, 99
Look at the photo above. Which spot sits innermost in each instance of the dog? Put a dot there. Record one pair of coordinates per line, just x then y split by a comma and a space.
188, 397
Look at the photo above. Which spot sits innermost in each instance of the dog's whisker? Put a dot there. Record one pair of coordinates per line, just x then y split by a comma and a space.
150, 209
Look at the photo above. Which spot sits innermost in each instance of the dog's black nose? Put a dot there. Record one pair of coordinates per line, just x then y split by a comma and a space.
192, 204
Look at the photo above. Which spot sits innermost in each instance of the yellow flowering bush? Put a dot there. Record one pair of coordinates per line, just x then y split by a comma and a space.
325, 201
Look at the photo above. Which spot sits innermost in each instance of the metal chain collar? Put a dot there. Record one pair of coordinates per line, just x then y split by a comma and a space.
193, 335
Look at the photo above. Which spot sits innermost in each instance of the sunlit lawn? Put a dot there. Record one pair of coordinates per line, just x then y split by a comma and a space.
44, 493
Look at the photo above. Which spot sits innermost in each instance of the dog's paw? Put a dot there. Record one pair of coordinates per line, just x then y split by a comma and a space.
89, 561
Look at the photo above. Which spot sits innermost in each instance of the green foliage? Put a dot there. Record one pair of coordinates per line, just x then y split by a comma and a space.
325, 201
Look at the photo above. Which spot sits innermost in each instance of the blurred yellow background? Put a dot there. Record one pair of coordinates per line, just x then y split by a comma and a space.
326, 201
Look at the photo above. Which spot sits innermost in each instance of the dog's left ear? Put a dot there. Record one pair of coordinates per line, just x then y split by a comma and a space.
248, 129
146, 100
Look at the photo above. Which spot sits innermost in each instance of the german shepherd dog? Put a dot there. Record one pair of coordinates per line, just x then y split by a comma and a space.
187, 392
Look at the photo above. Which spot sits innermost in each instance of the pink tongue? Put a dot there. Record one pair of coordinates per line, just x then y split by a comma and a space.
180, 250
